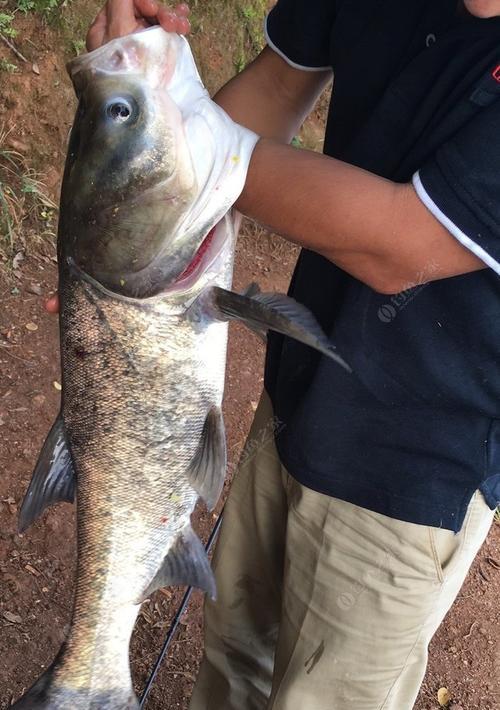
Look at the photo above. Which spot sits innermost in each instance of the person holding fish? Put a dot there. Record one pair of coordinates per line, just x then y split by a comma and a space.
349, 531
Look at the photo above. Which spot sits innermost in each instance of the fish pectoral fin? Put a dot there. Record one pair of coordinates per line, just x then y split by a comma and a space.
53, 479
253, 289
274, 311
207, 469
185, 563
250, 291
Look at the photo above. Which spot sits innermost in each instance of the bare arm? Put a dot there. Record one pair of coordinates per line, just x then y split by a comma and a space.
377, 230
272, 98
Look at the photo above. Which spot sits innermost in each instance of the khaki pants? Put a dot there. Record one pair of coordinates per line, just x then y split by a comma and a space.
323, 605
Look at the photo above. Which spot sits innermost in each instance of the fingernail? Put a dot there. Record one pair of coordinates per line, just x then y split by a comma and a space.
182, 9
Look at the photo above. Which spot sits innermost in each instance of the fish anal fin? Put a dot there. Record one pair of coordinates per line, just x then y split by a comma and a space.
274, 311
53, 479
207, 469
186, 563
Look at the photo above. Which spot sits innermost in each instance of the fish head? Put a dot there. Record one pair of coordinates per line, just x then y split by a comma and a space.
152, 167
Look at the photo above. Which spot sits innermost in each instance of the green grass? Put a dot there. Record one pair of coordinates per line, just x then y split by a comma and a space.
7, 66
6, 27
24, 203
231, 29
44, 7
78, 46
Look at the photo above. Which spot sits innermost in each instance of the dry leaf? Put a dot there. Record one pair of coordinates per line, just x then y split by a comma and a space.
31, 326
16, 261
57, 385
444, 697
35, 288
13, 618
32, 570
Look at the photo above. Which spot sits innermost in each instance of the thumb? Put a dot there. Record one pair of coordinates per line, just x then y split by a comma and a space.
97, 30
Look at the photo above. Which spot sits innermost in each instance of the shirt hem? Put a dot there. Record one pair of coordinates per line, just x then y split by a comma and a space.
389, 504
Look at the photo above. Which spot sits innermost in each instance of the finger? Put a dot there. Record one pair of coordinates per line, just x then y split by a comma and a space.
121, 18
167, 19
52, 304
182, 10
146, 8
96, 31
183, 26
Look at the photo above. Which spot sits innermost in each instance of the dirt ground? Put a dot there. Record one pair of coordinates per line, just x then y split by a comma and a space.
37, 568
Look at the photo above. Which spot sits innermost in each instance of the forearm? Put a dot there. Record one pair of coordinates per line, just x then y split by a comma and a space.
270, 97
375, 229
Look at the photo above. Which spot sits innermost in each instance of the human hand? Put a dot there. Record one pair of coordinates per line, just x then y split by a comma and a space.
52, 304
122, 17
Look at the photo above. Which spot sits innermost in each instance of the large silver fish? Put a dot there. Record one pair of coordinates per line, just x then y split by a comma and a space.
146, 244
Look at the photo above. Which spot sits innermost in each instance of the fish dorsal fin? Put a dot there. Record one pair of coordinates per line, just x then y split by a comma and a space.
207, 470
274, 311
53, 479
185, 563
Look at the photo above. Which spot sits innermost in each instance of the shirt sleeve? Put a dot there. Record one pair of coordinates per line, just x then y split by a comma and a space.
300, 31
460, 185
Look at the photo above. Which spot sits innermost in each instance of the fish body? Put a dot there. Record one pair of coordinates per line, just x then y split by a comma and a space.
146, 244
139, 382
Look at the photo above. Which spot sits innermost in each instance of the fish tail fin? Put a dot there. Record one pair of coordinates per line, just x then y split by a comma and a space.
44, 695
38, 696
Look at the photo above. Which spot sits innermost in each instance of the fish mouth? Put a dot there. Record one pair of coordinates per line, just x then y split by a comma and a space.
205, 258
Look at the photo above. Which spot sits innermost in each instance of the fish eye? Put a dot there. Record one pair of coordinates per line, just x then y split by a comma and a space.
120, 110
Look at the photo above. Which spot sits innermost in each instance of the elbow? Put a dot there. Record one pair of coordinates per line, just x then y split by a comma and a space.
379, 275
386, 277
387, 286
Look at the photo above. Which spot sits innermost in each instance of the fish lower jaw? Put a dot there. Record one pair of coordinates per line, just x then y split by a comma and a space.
213, 257
209, 258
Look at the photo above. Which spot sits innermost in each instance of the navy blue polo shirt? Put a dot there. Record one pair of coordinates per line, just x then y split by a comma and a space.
415, 429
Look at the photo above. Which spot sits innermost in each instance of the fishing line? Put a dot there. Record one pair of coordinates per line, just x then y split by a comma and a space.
175, 622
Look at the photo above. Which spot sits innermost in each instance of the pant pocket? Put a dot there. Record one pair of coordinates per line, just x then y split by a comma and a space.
445, 549
450, 549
